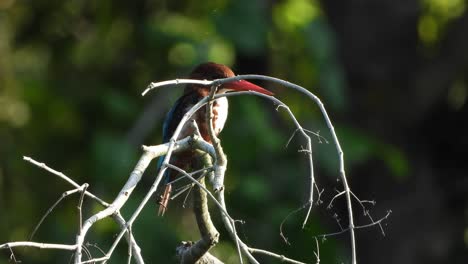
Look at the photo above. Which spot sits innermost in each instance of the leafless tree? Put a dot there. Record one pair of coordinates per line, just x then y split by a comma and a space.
216, 164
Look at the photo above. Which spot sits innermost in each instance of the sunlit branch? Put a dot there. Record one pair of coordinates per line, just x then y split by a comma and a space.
116, 216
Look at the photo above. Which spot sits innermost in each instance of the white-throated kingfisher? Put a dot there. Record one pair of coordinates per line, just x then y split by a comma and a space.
192, 94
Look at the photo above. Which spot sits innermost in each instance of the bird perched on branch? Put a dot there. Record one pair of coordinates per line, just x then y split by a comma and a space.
193, 93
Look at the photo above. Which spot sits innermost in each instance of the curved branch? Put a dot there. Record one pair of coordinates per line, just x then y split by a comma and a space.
330, 126
335, 140
159, 150
149, 154
198, 252
116, 216
271, 254
64, 177
208, 232
207, 258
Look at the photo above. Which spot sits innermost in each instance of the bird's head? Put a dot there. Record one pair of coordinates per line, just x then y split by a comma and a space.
212, 71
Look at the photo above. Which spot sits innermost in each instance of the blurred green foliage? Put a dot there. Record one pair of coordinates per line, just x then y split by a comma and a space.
71, 74
437, 15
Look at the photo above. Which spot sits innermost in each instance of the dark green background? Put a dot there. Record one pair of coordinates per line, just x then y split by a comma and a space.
393, 75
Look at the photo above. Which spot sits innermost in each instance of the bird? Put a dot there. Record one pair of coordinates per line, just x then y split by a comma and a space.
192, 94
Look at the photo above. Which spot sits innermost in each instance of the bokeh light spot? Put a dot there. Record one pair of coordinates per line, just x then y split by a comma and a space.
15, 112
182, 54
221, 52
457, 95
5, 4
428, 29
295, 13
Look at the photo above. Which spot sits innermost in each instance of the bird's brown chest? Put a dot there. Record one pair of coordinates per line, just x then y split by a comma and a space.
220, 109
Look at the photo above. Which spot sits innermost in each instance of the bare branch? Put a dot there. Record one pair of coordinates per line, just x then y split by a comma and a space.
176, 82
116, 216
192, 253
64, 177
37, 245
274, 255
12, 256
317, 254
80, 203
196, 182
378, 222
65, 194
205, 259
163, 149
285, 239
148, 155
230, 226
330, 205
366, 211
335, 140
219, 168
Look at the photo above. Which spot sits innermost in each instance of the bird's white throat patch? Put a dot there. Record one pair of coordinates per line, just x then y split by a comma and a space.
220, 113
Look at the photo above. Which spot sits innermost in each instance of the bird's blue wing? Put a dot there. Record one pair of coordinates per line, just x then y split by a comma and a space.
170, 121
167, 121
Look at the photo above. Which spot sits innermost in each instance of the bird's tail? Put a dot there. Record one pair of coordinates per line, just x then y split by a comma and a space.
164, 199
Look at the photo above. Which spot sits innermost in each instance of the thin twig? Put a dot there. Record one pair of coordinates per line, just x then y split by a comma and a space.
129, 259
356, 227
188, 187
196, 182
187, 195
274, 255
65, 194
116, 216
285, 239
366, 211
94, 245
317, 254
330, 205
12, 256
80, 203
37, 245
64, 177
87, 252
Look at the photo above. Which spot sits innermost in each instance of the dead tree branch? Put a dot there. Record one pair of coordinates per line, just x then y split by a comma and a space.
330, 126
209, 236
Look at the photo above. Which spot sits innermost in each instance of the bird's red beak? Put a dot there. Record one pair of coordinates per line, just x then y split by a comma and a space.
242, 85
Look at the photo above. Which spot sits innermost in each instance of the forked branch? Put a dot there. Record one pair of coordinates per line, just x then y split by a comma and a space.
219, 168
314, 98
